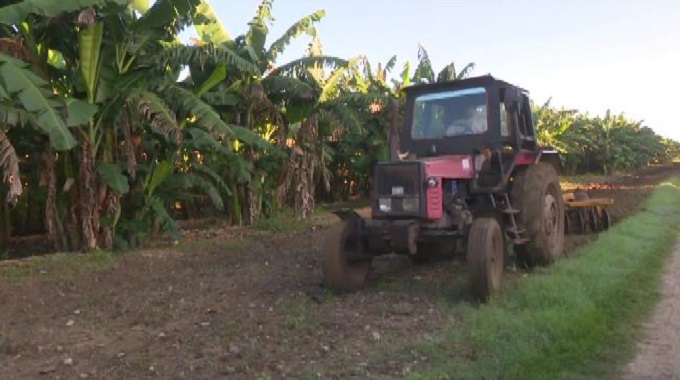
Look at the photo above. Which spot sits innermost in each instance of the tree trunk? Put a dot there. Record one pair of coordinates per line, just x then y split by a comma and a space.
5, 220
48, 178
111, 211
89, 223
253, 192
254, 199
304, 175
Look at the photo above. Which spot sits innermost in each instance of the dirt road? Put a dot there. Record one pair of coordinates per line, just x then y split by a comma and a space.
659, 353
222, 307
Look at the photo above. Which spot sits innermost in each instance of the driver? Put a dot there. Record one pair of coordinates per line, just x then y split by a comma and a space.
474, 122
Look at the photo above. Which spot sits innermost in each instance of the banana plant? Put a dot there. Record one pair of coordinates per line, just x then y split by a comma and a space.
256, 101
424, 72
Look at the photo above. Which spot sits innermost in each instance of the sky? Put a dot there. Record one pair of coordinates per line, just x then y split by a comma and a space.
588, 55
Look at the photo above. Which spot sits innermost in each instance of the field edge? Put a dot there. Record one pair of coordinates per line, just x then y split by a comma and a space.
579, 320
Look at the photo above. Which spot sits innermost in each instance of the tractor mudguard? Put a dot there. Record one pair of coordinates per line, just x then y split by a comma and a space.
358, 222
348, 215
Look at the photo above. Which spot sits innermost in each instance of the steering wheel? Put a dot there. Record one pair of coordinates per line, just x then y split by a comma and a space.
457, 129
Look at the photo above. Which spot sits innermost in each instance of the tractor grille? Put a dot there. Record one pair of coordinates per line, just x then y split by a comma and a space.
398, 188
404, 175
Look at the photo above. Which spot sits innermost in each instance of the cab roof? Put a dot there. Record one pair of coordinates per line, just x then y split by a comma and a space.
484, 80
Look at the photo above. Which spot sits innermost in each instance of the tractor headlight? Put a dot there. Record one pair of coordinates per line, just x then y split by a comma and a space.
410, 204
432, 182
385, 204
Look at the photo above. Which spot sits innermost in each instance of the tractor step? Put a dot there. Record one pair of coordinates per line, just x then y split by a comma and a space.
510, 210
520, 241
515, 231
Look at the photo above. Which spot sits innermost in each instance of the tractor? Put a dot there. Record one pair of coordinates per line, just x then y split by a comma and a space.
469, 173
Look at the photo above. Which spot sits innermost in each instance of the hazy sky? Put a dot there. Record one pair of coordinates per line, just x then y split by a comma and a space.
590, 55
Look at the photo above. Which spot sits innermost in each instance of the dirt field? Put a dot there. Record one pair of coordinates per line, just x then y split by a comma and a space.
237, 304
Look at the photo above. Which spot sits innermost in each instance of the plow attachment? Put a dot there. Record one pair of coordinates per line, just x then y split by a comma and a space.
585, 215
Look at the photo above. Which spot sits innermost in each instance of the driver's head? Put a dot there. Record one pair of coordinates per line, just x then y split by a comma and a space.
471, 111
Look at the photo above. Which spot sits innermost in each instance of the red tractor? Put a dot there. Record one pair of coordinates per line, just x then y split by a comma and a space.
469, 170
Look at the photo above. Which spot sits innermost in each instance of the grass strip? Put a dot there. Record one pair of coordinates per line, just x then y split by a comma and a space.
578, 319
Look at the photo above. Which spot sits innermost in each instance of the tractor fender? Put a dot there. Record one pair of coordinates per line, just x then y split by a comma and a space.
350, 215
552, 156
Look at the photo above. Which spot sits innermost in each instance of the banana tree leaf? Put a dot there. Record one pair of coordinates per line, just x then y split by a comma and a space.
249, 137
221, 98
303, 25
79, 112
37, 98
89, 45
161, 118
112, 177
192, 181
9, 168
217, 76
187, 102
16, 13
160, 172
208, 26
167, 223
257, 33
180, 55
141, 6
216, 178
13, 116
164, 12
202, 139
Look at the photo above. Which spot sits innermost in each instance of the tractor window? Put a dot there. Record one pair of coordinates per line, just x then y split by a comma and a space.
449, 113
505, 130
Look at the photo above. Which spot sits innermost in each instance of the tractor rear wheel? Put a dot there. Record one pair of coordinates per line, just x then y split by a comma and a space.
485, 257
344, 270
536, 192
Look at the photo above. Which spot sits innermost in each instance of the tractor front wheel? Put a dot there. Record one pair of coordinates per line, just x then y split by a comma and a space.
485, 257
344, 267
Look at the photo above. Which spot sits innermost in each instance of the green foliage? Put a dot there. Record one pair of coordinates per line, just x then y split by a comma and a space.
89, 45
304, 25
208, 27
598, 144
32, 94
17, 12
112, 177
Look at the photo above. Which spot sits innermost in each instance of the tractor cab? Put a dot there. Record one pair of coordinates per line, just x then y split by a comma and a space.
467, 117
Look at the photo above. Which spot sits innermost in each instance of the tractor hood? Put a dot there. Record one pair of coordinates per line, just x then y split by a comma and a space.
449, 166
413, 188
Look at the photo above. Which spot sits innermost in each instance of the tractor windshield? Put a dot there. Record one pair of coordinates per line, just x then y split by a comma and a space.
449, 114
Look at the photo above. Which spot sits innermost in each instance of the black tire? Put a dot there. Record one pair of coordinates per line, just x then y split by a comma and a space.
536, 192
340, 273
605, 220
594, 220
581, 222
485, 257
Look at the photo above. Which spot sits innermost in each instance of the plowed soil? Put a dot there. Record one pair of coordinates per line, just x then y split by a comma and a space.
238, 304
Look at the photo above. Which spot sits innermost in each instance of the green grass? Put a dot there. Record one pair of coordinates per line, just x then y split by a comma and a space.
297, 313
576, 320
62, 267
286, 221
